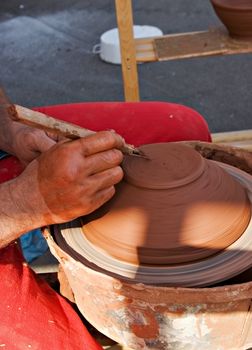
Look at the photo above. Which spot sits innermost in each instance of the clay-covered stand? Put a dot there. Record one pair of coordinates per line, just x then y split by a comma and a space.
167, 315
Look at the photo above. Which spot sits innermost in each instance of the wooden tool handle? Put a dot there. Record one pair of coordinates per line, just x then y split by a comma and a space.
42, 121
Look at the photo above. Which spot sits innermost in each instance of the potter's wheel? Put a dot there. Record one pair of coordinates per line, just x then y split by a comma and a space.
228, 263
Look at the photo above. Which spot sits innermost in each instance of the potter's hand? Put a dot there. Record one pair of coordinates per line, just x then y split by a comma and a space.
28, 143
24, 142
71, 179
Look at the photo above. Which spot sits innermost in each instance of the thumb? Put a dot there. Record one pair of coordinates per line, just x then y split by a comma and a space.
44, 142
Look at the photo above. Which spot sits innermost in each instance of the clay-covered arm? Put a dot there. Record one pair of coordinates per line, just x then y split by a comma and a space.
71, 179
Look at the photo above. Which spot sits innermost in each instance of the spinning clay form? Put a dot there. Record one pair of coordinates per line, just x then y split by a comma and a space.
176, 207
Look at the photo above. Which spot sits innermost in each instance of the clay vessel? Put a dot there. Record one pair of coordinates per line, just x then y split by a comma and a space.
144, 316
174, 208
236, 15
141, 316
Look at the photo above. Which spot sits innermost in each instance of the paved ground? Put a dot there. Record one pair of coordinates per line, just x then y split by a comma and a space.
46, 58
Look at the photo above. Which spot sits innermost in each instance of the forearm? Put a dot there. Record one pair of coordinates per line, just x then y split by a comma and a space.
16, 217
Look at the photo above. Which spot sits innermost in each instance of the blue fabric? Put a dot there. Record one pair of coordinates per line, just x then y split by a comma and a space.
3, 154
33, 243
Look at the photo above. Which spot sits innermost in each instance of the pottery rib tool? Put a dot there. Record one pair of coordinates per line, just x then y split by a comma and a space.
44, 122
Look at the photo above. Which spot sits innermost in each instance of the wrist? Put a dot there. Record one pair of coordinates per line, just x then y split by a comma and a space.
10, 144
26, 195
7, 134
9, 130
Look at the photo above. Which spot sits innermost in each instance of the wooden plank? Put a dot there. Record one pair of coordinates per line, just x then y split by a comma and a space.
247, 145
145, 51
192, 44
239, 139
232, 136
128, 50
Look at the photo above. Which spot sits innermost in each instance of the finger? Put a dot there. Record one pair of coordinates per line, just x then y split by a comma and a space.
99, 162
55, 136
101, 197
100, 141
106, 178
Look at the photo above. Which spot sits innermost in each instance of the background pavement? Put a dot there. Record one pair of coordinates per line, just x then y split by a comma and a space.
46, 58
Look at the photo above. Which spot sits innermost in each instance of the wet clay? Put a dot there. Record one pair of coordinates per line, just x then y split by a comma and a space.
236, 15
175, 208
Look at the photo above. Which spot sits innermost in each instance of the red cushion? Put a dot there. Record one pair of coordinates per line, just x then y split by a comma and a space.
138, 122
10, 167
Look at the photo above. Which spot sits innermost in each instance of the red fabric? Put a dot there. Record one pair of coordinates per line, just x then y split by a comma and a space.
33, 316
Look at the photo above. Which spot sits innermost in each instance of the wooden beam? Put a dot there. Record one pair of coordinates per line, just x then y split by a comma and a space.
145, 51
239, 139
247, 145
232, 136
188, 45
128, 50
